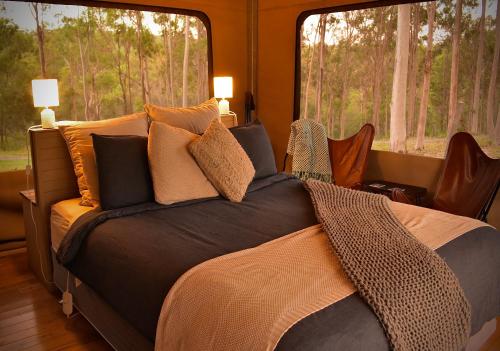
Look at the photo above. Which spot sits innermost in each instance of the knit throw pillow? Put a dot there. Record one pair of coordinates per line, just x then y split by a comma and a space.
223, 161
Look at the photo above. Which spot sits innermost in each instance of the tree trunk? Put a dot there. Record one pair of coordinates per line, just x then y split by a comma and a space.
346, 77
84, 78
309, 73
171, 66
491, 102
380, 67
321, 66
140, 53
72, 107
121, 74
200, 62
94, 103
330, 117
412, 79
497, 129
474, 128
2, 129
424, 99
185, 64
146, 80
129, 85
168, 88
455, 54
40, 34
398, 102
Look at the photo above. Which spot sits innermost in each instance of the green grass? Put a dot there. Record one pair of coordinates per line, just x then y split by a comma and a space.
16, 159
12, 165
13, 159
436, 147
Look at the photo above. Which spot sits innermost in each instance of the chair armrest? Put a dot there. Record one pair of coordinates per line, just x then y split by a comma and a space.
399, 196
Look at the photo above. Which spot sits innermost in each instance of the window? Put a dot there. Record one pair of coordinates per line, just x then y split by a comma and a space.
441, 81
108, 62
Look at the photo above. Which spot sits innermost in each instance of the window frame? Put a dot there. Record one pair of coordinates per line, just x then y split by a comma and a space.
332, 9
202, 16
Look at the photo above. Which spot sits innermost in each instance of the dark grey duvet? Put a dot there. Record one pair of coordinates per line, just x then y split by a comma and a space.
133, 256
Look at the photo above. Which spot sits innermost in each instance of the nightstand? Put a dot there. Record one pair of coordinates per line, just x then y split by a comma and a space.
36, 232
53, 180
414, 193
230, 120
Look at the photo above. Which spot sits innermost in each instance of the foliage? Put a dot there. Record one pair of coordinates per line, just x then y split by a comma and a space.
95, 57
353, 57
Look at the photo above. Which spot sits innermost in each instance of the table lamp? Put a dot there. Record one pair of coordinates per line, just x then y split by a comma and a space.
46, 94
223, 88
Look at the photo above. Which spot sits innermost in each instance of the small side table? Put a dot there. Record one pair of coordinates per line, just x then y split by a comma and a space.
415, 193
35, 232
230, 120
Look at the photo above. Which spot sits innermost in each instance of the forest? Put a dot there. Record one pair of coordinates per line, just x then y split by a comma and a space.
418, 72
108, 62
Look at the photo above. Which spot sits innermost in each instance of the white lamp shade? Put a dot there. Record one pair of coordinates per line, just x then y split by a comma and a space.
45, 92
223, 87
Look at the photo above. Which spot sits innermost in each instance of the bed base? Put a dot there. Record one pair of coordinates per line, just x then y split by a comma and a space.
120, 334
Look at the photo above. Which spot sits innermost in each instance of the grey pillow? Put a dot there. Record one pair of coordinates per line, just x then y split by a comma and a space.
123, 170
254, 140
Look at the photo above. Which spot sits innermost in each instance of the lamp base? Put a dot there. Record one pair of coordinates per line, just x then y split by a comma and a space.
224, 107
48, 118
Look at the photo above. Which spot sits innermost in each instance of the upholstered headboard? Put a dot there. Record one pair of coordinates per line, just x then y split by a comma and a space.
54, 180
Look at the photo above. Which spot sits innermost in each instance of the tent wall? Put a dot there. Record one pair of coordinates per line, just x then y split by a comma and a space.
254, 42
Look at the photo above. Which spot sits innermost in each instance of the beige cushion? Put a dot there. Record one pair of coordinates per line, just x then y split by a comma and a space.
224, 161
195, 119
81, 149
176, 176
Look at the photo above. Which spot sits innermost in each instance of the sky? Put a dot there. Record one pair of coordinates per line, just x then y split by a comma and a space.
20, 13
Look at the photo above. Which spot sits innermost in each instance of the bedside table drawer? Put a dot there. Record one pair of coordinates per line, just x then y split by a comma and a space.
230, 120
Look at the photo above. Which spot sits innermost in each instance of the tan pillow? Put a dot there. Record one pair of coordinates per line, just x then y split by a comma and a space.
81, 149
176, 176
223, 161
195, 119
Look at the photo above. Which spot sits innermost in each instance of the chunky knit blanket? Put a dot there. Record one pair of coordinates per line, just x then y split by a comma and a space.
415, 295
308, 146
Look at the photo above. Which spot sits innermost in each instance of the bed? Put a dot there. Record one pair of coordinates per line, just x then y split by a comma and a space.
130, 258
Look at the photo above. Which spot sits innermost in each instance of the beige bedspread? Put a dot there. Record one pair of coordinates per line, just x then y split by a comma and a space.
248, 299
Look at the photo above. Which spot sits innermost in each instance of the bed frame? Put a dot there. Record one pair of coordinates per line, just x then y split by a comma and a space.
54, 181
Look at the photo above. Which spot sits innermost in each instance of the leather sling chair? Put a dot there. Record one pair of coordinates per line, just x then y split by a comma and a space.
349, 157
469, 180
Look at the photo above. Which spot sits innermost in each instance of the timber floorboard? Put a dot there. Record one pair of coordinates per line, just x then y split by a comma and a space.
31, 317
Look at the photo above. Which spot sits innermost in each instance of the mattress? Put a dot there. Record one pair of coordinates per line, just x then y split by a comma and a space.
63, 214
144, 249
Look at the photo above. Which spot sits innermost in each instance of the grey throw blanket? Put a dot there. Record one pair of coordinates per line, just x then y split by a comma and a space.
415, 295
308, 146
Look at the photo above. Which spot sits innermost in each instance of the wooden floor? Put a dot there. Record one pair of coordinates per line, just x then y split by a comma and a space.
32, 319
